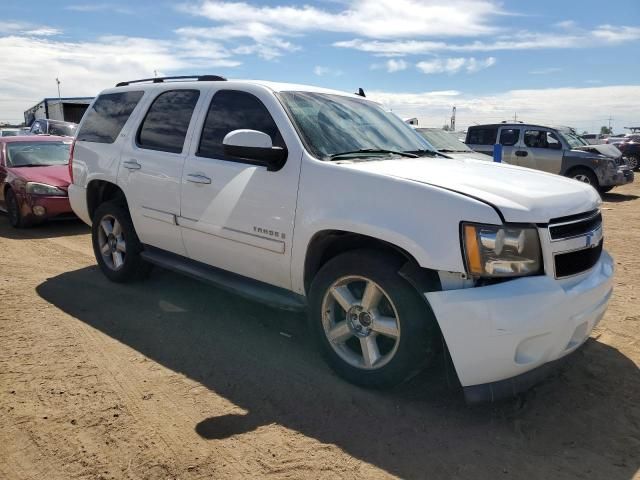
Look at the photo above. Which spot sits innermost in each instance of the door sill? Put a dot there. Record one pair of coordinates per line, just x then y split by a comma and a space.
237, 284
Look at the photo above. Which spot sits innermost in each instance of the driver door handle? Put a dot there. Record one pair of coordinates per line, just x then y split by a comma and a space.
521, 153
198, 178
131, 165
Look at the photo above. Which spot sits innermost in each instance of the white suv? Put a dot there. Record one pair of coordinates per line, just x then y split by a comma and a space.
318, 200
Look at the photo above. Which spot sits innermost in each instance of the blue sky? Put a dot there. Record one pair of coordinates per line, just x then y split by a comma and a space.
557, 62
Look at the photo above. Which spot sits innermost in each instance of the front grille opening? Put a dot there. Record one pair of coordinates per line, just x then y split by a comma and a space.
575, 229
572, 263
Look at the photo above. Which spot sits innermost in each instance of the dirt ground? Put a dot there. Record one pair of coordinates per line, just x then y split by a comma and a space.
174, 379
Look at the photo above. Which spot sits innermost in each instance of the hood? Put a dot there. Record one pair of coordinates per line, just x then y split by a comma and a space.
56, 175
610, 151
520, 194
472, 155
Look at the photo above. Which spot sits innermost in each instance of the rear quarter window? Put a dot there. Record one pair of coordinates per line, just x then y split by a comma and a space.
104, 120
482, 135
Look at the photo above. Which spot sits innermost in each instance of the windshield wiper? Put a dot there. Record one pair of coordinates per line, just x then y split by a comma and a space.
336, 156
422, 153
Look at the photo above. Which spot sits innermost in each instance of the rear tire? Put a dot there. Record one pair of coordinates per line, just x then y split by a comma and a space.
16, 220
633, 162
372, 326
116, 244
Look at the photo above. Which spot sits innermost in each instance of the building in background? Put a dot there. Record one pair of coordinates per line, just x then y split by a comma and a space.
68, 109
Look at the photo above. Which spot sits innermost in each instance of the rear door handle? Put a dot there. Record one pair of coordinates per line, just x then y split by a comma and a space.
521, 153
131, 165
198, 178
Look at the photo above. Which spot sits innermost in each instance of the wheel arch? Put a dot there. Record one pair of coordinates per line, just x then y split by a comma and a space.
327, 244
100, 191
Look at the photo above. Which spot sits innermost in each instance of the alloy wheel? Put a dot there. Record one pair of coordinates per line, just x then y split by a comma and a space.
361, 322
112, 242
582, 178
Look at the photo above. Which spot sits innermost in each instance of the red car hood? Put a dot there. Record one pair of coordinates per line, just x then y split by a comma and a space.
56, 175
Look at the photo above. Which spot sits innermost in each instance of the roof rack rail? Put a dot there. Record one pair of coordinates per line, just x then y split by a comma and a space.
199, 78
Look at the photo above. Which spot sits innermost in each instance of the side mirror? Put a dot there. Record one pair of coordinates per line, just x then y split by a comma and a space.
254, 146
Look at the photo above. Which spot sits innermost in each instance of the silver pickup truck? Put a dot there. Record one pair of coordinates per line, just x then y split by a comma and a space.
555, 150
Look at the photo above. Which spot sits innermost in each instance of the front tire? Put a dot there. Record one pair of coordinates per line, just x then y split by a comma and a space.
16, 220
633, 162
371, 325
116, 244
585, 176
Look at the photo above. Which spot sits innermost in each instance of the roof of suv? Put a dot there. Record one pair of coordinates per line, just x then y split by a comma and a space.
233, 83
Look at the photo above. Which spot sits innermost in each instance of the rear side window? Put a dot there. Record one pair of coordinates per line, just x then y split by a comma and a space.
106, 117
482, 135
509, 136
232, 110
165, 126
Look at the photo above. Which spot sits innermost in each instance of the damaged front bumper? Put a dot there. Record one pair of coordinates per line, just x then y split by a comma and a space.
504, 337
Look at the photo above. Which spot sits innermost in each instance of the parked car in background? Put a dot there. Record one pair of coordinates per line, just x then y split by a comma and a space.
394, 245
448, 144
615, 139
9, 132
555, 150
630, 148
53, 127
593, 138
34, 177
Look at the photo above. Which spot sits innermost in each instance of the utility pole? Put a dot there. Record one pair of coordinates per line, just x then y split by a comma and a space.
515, 117
155, 73
58, 83
453, 119
610, 119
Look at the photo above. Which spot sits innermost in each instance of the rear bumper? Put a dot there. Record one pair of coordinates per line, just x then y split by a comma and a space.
498, 333
78, 201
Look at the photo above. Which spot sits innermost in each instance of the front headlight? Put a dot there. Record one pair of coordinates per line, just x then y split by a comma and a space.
36, 188
501, 250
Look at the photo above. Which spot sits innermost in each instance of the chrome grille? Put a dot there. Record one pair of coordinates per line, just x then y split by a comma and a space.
575, 228
576, 243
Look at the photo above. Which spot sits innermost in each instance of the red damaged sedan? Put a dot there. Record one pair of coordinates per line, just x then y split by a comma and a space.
34, 177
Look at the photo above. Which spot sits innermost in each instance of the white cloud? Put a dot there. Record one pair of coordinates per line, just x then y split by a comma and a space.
25, 28
321, 71
268, 43
392, 65
614, 34
602, 35
371, 18
454, 65
396, 65
269, 26
85, 68
567, 24
583, 108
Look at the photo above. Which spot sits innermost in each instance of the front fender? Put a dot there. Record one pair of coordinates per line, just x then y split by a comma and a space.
421, 219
